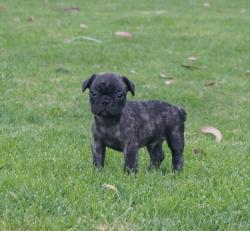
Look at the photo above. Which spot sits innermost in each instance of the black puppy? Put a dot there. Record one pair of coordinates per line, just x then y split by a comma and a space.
129, 125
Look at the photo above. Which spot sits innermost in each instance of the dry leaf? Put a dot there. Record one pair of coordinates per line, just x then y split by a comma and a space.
123, 34
69, 40
190, 66
2, 8
206, 4
198, 151
248, 71
102, 227
210, 84
46, 2
16, 19
158, 12
83, 26
72, 9
212, 130
13, 195
192, 58
163, 75
111, 187
31, 19
62, 70
243, 11
169, 81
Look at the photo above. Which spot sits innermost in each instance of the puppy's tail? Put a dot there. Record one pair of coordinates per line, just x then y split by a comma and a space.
183, 114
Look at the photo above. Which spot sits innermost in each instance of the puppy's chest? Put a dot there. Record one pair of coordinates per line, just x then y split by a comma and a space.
111, 136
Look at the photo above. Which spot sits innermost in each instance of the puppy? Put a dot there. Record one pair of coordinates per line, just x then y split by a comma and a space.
129, 125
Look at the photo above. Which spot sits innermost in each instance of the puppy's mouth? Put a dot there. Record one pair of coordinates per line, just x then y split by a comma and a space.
104, 112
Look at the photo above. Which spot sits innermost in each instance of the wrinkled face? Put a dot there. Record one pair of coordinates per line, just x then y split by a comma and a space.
107, 94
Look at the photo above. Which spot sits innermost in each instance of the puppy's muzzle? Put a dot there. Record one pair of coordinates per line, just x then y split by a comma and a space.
106, 100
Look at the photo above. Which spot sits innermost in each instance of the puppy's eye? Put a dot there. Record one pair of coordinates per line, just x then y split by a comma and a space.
119, 94
93, 93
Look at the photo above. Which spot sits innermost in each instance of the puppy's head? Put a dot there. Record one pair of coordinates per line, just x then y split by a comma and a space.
108, 92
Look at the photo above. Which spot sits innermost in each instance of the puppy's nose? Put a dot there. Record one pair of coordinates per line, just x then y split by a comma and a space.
106, 101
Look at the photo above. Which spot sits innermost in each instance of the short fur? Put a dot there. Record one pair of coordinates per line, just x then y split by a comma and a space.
129, 125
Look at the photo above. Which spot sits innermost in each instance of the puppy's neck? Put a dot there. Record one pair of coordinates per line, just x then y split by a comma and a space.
107, 121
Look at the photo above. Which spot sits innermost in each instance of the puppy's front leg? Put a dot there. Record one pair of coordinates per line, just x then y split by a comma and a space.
98, 151
131, 159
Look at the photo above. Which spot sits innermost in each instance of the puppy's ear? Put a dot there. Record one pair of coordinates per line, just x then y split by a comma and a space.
130, 85
87, 83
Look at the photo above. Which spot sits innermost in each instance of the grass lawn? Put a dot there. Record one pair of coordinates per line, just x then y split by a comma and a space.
46, 176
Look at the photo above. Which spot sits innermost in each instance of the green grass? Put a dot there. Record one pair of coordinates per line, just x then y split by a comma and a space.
46, 176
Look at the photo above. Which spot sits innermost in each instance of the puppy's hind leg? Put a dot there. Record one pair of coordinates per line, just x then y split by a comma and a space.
156, 155
175, 140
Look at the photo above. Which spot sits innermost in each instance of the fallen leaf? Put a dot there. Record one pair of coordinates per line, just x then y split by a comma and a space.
2, 8
111, 187
69, 40
102, 227
190, 66
212, 130
46, 2
83, 26
237, 130
160, 11
123, 34
13, 195
192, 58
248, 71
16, 19
155, 12
210, 84
169, 81
72, 9
132, 71
163, 75
97, 66
206, 4
243, 11
31, 19
198, 151
62, 70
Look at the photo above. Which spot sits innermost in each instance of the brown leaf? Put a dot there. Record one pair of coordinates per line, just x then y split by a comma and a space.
206, 4
212, 130
210, 84
123, 34
158, 12
190, 66
111, 187
62, 70
102, 227
163, 75
16, 19
31, 19
169, 81
70, 40
192, 58
83, 26
198, 151
13, 195
243, 11
2, 8
72, 9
